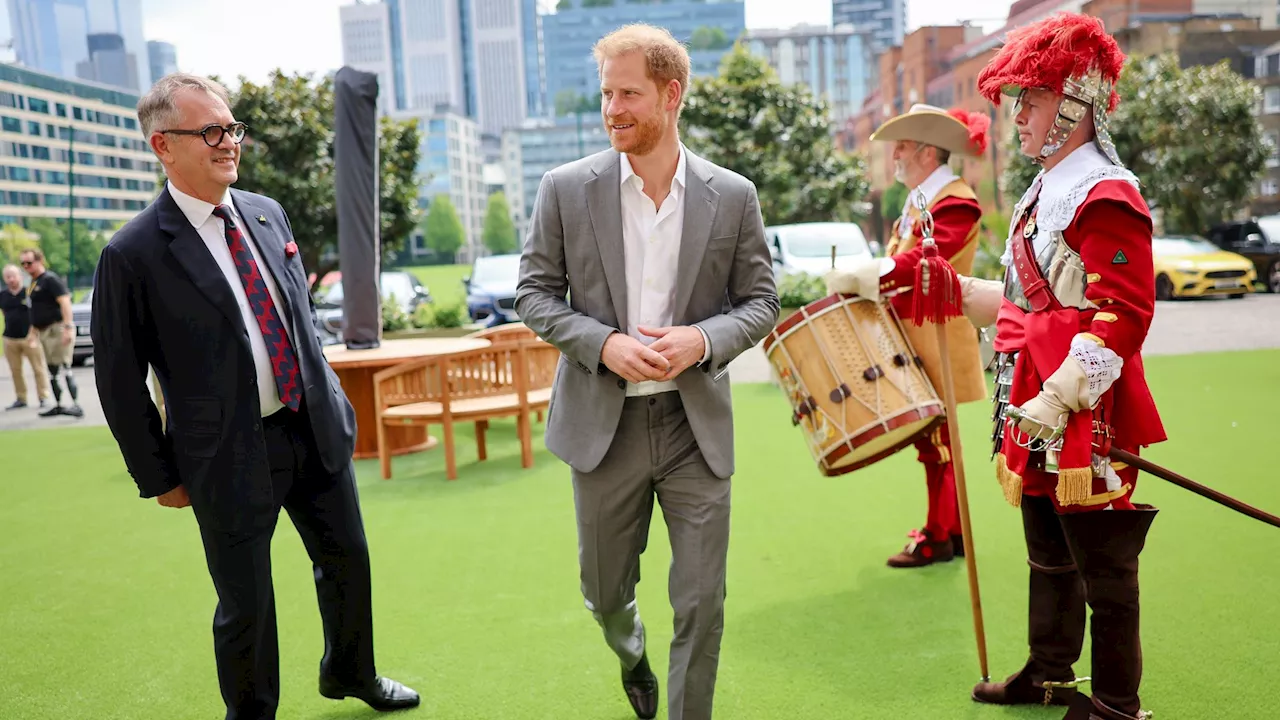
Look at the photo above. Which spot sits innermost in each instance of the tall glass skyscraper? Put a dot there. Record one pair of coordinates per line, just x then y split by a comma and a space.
708, 27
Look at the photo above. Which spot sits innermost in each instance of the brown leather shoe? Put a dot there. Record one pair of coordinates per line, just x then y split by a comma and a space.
1085, 708
922, 551
957, 545
1021, 688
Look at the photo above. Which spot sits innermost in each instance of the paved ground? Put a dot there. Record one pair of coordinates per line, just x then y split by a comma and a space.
1179, 327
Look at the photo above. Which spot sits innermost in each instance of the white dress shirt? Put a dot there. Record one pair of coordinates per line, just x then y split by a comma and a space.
210, 228
651, 249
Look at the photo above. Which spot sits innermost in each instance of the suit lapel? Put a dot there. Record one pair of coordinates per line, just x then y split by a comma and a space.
270, 245
190, 251
700, 204
604, 204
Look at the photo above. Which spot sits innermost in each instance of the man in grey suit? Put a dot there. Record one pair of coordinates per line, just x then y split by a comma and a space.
663, 258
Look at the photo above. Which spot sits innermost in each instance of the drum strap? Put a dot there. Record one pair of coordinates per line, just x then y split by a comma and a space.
1034, 285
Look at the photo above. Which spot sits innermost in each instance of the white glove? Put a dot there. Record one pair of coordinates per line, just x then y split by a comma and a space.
1087, 372
863, 279
980, 300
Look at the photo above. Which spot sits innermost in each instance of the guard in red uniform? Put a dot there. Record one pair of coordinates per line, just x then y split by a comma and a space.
1072, 315
924, 138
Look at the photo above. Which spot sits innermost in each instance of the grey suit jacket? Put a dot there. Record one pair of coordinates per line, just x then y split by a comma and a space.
724, 285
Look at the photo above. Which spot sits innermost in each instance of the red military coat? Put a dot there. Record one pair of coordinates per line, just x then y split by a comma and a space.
1111, 232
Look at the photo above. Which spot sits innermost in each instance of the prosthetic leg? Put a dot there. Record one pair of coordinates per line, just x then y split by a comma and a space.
63, 371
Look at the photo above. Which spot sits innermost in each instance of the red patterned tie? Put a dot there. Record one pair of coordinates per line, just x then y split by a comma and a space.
284, 364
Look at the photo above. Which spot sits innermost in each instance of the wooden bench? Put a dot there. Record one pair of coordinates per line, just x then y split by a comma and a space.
507, 332
503, 380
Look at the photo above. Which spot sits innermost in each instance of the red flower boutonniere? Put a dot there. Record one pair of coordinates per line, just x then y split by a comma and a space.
290, 249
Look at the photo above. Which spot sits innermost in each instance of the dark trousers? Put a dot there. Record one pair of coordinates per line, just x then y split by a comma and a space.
325, 510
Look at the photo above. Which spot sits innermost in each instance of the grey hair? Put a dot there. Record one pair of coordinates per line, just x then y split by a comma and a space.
159, 107
11, 267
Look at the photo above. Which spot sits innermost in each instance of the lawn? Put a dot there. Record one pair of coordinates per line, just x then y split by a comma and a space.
443, 281
107, 606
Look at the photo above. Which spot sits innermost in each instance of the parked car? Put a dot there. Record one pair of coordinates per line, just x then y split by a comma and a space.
491, 289
1194, 267
80, 313
404, 287
1257, 239
806, 247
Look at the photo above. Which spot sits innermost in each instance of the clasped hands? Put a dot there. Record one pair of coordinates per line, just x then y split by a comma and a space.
675, 350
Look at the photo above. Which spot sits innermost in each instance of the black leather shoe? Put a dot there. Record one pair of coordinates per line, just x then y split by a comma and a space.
641, 686
382, 694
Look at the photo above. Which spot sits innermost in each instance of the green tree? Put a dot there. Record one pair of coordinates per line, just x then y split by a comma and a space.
499, 229
891, 202
443, 229
13, 240
564, 5
597, 3
706, 37
1019, 172
55, 243
1190, 135
288, 155
778, 136
569, 101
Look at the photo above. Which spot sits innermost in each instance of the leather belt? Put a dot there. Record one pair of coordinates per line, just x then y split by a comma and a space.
1034, 285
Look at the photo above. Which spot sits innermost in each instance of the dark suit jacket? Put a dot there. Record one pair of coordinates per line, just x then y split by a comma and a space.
160, 299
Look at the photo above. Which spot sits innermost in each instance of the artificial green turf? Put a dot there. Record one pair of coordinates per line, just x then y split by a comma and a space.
106, 606
444, 282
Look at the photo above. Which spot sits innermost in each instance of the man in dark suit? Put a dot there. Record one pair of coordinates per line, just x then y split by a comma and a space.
206, 287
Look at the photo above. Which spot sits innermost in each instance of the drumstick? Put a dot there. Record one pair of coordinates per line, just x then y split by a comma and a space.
934, 310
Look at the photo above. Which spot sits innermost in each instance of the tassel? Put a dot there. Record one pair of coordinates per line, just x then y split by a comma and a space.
1010, 481
1075, 485
937, 295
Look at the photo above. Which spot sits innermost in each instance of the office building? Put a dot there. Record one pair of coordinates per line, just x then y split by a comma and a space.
163, 59
709, 29
835, 64
54, 131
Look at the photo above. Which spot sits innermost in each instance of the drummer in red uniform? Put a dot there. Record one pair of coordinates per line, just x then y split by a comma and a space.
923, 141
1073, 311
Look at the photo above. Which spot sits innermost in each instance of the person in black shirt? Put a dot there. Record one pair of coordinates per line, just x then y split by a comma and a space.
51, 323
18, 342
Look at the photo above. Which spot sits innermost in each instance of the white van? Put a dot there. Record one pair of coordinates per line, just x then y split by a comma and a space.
806, 247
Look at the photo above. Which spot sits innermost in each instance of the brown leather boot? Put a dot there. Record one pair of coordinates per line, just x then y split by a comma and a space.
1085, 708
922, 551
1106, 545
1055, 616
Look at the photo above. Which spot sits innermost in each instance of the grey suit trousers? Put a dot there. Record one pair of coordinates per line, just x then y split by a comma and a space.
653, 454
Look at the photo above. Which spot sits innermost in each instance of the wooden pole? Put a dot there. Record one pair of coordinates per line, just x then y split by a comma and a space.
962, 496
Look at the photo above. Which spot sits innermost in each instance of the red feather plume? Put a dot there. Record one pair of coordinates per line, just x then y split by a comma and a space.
977, 123
1046, 53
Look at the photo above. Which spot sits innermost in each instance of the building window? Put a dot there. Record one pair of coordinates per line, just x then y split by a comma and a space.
62, 110
38, 105
1271, 100
1271, 139
1269, 187
13, 125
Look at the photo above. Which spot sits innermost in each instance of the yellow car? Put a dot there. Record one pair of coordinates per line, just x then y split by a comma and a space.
1193, 267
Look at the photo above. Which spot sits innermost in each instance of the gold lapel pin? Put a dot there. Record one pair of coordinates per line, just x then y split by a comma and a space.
262, 219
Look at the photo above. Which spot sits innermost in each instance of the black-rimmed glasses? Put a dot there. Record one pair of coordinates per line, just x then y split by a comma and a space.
214, 133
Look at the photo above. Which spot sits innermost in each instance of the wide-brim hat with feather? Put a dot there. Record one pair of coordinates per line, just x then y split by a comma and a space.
955, 130
1069, 54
